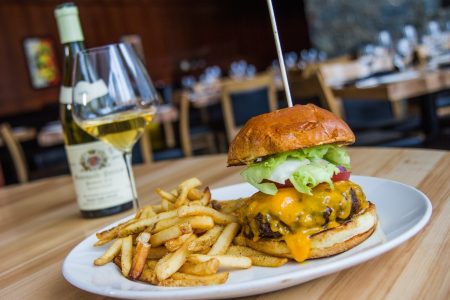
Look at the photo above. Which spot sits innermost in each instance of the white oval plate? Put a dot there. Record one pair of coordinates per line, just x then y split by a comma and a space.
402, 211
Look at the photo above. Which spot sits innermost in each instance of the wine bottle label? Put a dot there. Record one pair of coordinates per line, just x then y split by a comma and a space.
65, 95
100, 176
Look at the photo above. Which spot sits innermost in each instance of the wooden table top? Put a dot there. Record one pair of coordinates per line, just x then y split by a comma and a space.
425, 83
40, 224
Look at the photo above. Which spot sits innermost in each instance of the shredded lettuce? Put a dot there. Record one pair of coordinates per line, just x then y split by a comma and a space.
308, 176
256, 173
338, 156
315, 165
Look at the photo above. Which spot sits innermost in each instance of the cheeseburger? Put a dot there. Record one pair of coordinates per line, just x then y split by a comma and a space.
306, 207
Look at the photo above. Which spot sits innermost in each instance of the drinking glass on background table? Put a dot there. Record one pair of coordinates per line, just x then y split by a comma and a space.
238, 69
367, 56
188, 82
114, 99
432, 40
404, 53
385, 41
290, 59
411, 35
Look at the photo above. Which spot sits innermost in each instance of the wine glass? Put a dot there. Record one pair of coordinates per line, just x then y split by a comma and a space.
367, 56
410, 34
113, 98
404, 53
385, 41
290, 59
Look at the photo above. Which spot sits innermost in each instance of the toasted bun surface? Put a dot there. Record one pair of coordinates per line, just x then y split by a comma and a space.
328, 242
298, 127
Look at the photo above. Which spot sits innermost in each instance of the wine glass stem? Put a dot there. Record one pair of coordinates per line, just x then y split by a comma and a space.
127, 159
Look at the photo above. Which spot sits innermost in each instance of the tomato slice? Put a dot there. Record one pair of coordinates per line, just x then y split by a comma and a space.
286, 184
341, 176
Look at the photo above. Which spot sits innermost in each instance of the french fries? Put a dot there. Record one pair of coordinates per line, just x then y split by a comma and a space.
147, 212
225, 239
140, 257
109, 255
206, 198
142, 224
151, 264
172, 262
258, 258
240, 240
200, 223
208, 267
185, 280
175, 244
166, 195
166, 205
268, 261
166, 223
199, 210
108, 235
243, 251
274, 248
194, 194
170, 233
149, 275
183, 190
226, 261
184, 240
126, 255
206, 240
157, 208
157, 252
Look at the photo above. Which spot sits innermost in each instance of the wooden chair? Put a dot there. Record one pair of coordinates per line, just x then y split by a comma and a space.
147, 152
149, 155
16, 152
193, 139
312, 85
146, 148
237, 112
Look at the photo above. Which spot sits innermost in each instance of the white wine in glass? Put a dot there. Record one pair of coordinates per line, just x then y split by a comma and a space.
113, 97
121, 130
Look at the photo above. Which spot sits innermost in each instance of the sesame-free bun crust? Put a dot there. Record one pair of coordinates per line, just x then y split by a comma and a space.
297, 127
328, 242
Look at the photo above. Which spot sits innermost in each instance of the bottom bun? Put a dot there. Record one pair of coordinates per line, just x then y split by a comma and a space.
330, 241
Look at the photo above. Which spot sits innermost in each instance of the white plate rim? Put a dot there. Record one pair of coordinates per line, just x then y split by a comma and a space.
261, 285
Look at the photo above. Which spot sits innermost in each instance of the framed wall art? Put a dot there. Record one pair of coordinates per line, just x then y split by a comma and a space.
42, 63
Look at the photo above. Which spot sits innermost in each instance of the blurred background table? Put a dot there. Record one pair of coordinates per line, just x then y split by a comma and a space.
416, 83
40, 224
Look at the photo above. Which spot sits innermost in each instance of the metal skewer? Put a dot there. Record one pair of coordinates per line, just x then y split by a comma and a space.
280, 54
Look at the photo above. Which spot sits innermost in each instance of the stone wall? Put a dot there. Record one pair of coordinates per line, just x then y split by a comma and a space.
341, 26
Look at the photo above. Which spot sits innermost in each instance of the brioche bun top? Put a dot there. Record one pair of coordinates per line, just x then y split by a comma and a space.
287, 129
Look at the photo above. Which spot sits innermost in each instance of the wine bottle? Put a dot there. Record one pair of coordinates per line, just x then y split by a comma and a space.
98, 170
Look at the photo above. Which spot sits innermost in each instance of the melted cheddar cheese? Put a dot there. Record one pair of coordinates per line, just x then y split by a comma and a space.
296, 216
